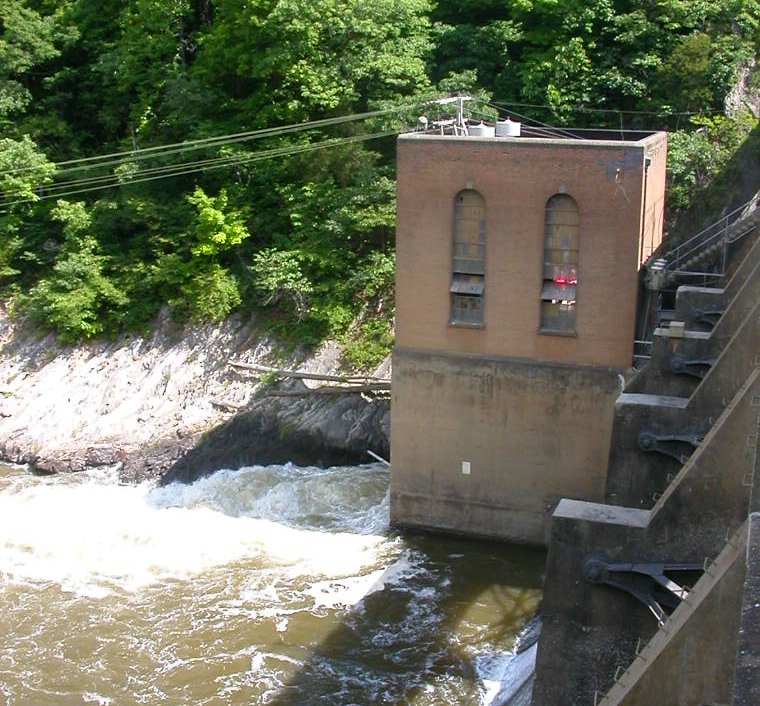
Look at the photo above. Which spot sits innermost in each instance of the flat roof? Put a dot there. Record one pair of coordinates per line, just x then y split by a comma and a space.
550, 135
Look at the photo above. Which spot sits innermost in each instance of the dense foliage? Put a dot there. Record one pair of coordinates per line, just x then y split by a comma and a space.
154, 151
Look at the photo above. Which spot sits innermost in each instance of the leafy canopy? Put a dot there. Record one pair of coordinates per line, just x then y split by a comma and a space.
308, 236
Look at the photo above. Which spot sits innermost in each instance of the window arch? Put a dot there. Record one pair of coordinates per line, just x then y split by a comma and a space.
468, 258
560, 267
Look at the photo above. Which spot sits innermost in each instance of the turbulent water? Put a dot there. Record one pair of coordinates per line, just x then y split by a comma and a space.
270, 585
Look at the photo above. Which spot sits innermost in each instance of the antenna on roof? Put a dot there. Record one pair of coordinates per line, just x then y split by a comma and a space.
459, 124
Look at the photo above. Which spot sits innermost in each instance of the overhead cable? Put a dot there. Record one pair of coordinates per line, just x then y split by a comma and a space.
190, 145
109, 181
545, 127
588, 109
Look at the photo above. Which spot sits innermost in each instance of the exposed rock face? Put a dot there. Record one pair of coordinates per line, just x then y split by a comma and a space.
311, 430
146, 401
743, 93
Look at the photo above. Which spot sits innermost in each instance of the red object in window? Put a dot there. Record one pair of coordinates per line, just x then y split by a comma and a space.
566, 279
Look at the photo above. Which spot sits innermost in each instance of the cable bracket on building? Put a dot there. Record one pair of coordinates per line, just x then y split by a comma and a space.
648, 582
674, 445
696, 367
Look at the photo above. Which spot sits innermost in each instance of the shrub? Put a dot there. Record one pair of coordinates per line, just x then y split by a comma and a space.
368, 344
211, 294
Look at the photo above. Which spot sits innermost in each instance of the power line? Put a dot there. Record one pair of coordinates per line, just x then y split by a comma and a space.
218, 141
588, 109
97, 182
550, 130
142, 174
194, 167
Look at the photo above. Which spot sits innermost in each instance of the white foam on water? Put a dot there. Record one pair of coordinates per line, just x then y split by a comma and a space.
340, 499
278, 557
346, 592
505, 674
490, 669
351, 590
91, 535
401, 570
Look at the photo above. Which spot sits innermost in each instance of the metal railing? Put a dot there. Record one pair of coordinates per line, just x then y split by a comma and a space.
713, 234
642, 351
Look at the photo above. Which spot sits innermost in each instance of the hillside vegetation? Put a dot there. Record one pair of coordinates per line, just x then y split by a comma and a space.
214, 155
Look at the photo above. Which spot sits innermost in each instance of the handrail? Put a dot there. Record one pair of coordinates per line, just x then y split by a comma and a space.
704, 238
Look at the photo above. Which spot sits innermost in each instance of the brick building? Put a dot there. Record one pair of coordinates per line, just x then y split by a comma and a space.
517, 282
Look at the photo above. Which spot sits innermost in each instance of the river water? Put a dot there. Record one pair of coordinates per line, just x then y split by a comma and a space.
270, 585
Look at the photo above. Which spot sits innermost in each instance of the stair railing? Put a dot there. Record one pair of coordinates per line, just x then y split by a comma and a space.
713, 234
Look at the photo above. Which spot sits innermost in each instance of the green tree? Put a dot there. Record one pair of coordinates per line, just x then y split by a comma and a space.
86, 77
23, 171
26, 40
216, 228
295, 60
279, 280
209, 290
77, 299
488, 50
685, 76
697, 157
151, 56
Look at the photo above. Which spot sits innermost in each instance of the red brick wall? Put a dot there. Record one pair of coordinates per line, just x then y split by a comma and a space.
516, 177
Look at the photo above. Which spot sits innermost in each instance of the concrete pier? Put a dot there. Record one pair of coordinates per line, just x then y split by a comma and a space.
679, 503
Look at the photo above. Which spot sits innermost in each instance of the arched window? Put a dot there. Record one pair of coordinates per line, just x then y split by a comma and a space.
468, 258
560, 269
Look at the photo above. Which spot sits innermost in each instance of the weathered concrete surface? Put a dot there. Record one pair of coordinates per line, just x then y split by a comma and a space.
659, 375
704, 336
694, 344
698, 503
146, 401
689, 660
707, 501
576, 617
488, 446
746, 691
636, 477
692, 302
747, 673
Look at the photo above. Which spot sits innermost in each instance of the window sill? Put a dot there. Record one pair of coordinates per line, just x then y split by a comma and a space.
557, 332
464, 324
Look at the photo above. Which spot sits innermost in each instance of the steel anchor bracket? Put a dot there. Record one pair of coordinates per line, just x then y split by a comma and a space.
708, 317
696, 367
668, 444
648, 582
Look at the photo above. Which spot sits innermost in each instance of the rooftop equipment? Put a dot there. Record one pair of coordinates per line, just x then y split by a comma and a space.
481, 130
507, 128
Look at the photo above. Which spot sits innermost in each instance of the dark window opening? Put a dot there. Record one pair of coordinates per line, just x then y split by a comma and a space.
468, 259
560, 268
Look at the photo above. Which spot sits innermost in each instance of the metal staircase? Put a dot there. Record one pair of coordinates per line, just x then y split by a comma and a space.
708, 248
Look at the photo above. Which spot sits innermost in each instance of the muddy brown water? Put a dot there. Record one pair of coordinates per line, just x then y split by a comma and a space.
269, 585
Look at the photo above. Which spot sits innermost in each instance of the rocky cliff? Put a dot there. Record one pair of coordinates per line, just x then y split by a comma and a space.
171, 403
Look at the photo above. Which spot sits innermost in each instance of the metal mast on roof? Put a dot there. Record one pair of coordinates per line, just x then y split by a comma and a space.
458, 124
